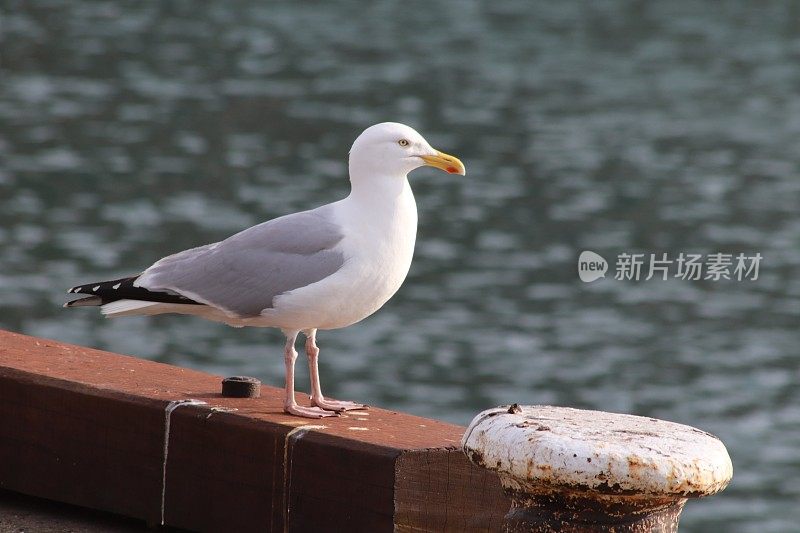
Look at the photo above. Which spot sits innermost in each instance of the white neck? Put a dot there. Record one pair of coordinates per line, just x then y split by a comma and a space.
379, 203
379, 191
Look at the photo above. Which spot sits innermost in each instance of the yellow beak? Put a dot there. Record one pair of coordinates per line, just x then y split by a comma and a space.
445, 162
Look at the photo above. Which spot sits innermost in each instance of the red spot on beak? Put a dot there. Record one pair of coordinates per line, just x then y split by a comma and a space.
452, 170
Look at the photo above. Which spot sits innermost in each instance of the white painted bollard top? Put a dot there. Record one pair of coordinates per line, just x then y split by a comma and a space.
541, 447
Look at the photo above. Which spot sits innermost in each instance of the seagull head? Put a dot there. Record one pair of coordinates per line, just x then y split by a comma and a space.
393, 149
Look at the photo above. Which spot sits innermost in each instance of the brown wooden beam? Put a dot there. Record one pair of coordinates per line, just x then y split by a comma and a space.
87, 427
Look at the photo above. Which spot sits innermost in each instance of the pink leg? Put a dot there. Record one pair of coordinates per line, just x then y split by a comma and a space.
316, 391
289, 403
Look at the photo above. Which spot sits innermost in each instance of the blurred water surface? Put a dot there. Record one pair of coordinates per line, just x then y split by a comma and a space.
132, 130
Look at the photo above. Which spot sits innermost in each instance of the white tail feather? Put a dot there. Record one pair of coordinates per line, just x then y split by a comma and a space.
131, 307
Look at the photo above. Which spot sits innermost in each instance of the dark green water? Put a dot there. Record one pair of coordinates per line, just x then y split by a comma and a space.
132, 130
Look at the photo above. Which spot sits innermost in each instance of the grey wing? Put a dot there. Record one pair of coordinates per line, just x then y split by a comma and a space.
243, 274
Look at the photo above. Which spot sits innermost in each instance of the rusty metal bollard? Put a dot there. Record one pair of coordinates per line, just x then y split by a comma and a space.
579, 471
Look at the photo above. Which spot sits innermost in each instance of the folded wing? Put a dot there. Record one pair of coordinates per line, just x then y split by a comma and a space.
242, 274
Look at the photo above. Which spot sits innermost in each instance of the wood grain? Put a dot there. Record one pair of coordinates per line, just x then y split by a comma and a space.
86, 427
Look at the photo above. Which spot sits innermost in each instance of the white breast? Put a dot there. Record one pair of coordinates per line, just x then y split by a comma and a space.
378, 246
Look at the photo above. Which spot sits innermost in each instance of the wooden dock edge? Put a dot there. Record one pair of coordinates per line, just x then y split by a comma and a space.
119, 434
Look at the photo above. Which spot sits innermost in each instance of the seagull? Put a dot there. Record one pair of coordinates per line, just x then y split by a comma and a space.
321, 269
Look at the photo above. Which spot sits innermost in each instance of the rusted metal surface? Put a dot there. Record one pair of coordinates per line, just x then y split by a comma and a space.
575, 470
90, 428
579, 513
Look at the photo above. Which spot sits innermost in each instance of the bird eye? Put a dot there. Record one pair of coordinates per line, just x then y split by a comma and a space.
403, 142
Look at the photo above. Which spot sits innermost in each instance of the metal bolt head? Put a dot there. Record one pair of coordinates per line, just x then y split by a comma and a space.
241, 387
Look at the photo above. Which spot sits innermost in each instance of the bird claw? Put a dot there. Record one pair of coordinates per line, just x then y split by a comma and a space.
309, 412
337, 405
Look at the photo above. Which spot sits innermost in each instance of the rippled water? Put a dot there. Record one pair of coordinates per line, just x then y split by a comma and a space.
132, 130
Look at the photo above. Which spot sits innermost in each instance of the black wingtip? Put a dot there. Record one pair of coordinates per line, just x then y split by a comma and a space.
103, 292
